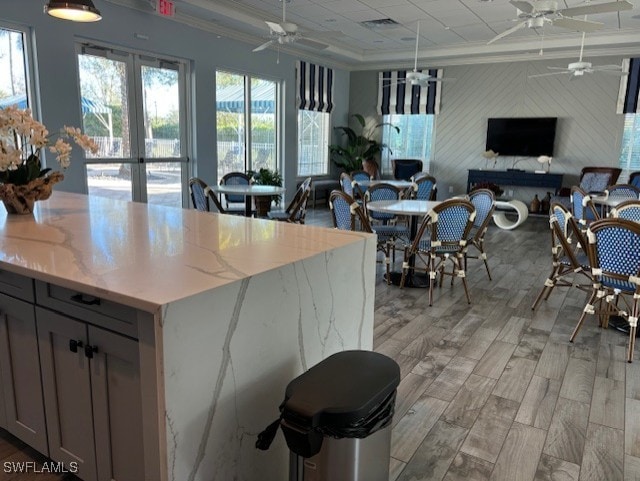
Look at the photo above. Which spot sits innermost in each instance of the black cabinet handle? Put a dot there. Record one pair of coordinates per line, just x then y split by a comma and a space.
74, 345
87, 301
89, 351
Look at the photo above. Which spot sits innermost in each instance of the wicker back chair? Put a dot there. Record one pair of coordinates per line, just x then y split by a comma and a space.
629, 209
296, 211
582, 207
423, 187
203, 197
484, 200
347, 214
614, 255
235, 178
442, 236
567, 255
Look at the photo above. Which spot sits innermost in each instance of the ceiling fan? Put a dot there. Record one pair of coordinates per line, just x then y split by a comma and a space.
287, 32
536, 13
416, 77
579, 68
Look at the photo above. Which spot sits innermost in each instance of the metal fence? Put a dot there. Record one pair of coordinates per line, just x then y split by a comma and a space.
112, 148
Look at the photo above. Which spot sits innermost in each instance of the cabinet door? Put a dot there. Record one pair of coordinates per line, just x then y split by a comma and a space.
20, 368
67, 391
117, 406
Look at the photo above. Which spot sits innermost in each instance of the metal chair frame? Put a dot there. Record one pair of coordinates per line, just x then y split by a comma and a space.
582, 203
481, 225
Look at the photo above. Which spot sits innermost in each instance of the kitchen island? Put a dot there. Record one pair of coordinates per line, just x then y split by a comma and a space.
164, 338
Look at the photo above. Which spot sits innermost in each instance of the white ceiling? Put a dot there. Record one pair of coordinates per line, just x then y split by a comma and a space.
451, 31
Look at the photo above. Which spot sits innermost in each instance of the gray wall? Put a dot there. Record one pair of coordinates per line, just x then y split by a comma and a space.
57, 74
588, 132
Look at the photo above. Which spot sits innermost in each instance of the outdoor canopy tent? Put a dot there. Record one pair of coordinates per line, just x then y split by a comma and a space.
231, 98
88, 107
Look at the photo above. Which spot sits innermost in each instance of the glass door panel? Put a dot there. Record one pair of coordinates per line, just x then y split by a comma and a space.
263, 124
230, 120
104, 91
13, 71
164, 157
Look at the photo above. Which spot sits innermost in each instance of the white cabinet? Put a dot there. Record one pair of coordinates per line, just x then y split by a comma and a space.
20, 367
91, 382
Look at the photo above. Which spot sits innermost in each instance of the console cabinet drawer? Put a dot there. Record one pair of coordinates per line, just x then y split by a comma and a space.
16, 285
88, 308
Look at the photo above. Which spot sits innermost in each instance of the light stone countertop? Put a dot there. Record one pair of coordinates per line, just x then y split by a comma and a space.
147, 256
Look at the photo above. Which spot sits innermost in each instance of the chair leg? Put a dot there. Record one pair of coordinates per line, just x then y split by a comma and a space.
405, 268
585, 311
483, 255
387, 260
549, 284
432, 277
458, 262
632, 331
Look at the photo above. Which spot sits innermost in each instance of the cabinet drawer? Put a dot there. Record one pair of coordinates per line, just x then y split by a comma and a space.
91, 309
16, 285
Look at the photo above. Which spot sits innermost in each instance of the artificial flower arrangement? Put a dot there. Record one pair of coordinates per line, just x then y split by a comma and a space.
22, 140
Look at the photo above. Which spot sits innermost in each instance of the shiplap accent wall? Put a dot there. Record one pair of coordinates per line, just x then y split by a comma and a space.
588, 132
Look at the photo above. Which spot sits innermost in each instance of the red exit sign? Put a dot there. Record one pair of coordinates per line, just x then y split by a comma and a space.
165, 8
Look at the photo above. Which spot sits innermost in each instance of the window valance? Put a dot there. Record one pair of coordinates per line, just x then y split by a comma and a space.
315, 87
397, 97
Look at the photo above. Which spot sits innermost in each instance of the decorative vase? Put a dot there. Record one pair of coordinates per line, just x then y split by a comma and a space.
545, 204
535, 205
20, 199
263, 204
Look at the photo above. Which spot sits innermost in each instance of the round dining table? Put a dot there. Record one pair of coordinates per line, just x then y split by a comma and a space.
415, 210
400, 184
248, 191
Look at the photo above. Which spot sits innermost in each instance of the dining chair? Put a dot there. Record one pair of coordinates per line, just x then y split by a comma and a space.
614, 254
404, 169
582, 207
348, 187
296, 211
203, 197
623, 191
484, 200
629, 209
358, 175
423, 187
235, 203
442, 236
568, 256
634, 179
347, 214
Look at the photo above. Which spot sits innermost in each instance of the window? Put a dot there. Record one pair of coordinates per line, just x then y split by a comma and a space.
246, 136
313, 143
413, 142
630, 149
14, 85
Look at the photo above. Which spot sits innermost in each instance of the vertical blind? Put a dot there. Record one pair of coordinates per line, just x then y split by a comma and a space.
397, 97
315, 87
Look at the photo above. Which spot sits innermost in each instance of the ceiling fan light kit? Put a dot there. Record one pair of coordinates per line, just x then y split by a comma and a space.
74, 10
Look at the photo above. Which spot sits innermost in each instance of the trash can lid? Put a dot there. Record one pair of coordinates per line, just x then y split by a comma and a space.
340, 390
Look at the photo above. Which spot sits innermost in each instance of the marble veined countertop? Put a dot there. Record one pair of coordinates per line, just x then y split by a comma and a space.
147, 256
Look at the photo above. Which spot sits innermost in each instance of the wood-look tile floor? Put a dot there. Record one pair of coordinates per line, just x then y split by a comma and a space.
493, 391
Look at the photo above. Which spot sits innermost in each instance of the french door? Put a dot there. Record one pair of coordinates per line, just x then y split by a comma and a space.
134, 107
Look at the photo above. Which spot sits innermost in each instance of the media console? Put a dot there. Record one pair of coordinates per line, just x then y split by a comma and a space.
514, 177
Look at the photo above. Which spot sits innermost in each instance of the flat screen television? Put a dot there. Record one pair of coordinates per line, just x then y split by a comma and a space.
528, 137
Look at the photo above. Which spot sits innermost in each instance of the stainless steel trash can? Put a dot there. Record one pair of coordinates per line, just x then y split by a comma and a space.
336, 418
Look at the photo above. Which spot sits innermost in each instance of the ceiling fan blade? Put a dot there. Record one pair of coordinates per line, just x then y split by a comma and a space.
311, 43
619, 73
564, 69
263, 46
276, 27
608, 67
522, 5
577, 25
507, 32
550, 74
596, 8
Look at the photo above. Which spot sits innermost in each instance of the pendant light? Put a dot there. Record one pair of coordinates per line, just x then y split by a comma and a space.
74, 10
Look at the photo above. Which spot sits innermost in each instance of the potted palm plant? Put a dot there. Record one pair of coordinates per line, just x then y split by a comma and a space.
360, 144
265, 177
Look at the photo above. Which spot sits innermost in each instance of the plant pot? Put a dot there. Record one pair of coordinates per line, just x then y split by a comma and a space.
20, 199
263, 204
